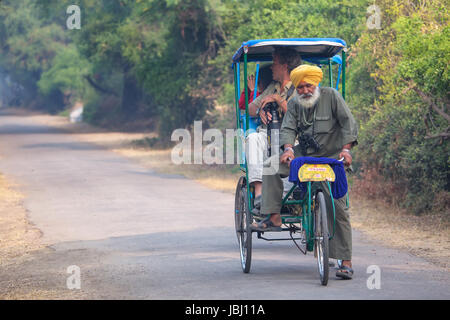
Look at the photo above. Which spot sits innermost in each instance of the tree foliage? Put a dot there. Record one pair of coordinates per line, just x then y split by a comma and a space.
399, 82
27, 49
169, 60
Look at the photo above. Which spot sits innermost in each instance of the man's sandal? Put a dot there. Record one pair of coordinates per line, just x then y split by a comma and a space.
344, 272
269, 226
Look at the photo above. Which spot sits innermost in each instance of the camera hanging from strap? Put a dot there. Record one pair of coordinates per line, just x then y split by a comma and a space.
274, 125
306, 140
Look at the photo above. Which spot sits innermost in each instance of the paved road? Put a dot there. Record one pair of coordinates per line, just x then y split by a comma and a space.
137, 234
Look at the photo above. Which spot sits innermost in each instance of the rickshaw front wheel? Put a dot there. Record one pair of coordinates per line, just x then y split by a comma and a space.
243, 221
321, 237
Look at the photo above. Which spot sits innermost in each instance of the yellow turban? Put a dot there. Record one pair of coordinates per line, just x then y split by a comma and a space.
307, 73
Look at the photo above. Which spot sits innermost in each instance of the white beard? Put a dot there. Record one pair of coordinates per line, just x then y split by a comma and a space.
308, 101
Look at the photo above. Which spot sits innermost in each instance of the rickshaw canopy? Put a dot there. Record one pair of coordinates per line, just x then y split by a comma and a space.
308, 48
319, 51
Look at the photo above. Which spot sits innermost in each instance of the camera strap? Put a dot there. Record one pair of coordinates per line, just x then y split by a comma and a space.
290, 92
288, 95
304, 121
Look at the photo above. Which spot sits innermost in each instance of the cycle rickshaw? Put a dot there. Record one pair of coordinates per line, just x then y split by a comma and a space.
304, 214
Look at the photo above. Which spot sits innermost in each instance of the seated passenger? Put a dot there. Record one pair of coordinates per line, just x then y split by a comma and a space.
265, 78
278, 91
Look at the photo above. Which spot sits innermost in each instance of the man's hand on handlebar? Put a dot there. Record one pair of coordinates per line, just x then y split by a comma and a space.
287, 157
347, 158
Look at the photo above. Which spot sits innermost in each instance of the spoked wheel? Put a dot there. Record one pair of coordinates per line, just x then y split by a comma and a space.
237, 208
321, 237
243, 221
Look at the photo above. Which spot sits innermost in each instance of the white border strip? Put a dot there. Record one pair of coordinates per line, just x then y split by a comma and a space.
304, 43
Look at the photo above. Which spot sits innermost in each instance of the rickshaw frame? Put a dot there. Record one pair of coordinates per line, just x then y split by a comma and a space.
253, 51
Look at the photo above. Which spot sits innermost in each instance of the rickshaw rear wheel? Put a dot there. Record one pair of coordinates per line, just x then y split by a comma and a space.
237, 208
321, 242
243, 221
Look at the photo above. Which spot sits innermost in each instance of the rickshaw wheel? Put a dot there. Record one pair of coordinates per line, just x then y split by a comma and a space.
321, 236
243, 221
237, 207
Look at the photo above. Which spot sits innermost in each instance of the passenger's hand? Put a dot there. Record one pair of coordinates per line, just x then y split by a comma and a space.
347, 158
265, 116
251, 82
287, 157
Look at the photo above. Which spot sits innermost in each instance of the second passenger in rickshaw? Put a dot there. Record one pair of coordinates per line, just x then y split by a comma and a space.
264, 79
279, 91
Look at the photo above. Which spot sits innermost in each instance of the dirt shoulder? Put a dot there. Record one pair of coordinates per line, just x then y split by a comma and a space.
426, 236
19, 237
20, 246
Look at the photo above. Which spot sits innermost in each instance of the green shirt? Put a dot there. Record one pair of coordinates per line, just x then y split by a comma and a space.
273, 87
331, 120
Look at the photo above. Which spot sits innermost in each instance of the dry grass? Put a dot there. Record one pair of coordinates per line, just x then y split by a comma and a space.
39, 294
90, 133
19, 237
221, 178
426, 236
19, 243
19, 240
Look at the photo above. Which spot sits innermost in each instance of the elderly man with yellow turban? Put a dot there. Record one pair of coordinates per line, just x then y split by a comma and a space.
321, 116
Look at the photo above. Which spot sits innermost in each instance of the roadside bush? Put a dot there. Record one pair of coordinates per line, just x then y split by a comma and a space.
404, 131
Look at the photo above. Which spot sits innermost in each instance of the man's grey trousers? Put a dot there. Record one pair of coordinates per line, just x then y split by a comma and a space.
272, 193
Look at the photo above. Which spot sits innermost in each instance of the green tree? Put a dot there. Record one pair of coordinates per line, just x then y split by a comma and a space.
177, 40
404, 119
28, 47
66, 74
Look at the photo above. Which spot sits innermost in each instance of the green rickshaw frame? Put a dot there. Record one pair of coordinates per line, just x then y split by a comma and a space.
307, 204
